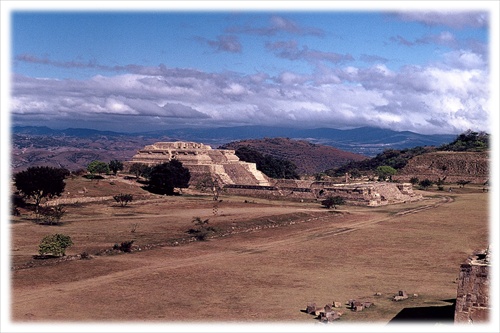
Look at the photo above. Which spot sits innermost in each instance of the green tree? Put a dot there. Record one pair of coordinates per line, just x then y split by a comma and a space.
425, 183
414, 180
40, 182
55, 244
115, 166
167, 176
140, 169
335, 201
385, 172
469, 141
269, 165
97, 167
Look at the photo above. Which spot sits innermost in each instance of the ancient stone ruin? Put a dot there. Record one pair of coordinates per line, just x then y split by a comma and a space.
202, 160
473, 302
401, 296
243, 178
361, 194
325, 314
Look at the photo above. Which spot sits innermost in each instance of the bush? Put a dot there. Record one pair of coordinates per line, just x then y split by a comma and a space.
50, 215
203, 231
85, 255
126, 246
333, 202
123, 199
55, 244
425, 183
463, 182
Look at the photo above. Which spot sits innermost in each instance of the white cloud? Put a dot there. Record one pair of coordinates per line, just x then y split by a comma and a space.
451, 18
444, 97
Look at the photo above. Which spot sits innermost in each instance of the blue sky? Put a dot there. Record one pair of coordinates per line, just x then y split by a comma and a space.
425, 71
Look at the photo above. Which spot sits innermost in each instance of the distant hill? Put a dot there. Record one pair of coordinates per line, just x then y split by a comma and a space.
308, 157
74, 148
367, 141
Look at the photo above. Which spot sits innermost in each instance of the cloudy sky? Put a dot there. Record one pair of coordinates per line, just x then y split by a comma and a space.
426, 71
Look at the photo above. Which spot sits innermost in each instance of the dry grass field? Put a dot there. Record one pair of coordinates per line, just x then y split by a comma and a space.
270, 260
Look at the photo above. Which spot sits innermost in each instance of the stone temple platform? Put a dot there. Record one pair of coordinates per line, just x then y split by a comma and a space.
202, 160
243, 178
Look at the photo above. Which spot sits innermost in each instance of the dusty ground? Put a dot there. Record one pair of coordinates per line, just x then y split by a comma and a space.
279, 257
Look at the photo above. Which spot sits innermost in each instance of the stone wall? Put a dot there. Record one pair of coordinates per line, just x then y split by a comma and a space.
473, 301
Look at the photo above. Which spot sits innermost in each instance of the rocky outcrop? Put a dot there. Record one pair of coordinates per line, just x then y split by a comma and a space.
455, 166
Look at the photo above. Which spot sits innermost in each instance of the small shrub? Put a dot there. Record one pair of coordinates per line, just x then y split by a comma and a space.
333, 202
203, 231
16, 211
126, 246
51, 215
55, 244
425, 183
123, 199
85, 255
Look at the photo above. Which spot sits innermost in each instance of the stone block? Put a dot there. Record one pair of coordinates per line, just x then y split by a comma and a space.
311, 308
337, 304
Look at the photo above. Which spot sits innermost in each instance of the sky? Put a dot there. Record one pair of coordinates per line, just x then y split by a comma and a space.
426, 71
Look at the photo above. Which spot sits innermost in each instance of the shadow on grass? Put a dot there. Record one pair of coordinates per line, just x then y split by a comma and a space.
427, 314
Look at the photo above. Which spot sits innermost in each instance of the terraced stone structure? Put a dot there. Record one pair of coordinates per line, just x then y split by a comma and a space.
202, 160
242, 178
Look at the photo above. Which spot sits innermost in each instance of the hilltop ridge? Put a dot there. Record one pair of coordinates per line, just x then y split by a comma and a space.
309, 158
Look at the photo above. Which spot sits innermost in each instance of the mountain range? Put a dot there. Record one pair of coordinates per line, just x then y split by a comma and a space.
368, 141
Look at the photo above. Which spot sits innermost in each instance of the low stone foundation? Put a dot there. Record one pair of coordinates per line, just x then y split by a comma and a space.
363, 194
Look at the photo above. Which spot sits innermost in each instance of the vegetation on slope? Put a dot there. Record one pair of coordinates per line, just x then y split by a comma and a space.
271, 166
468, 141
309, 158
